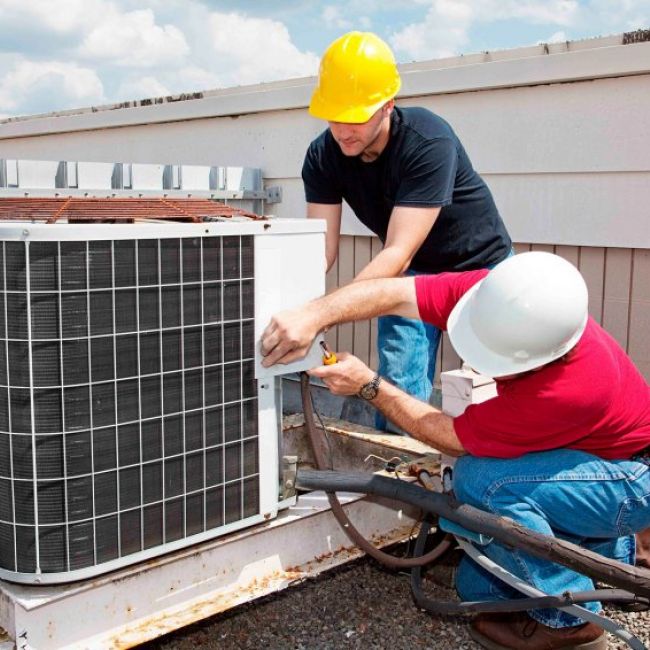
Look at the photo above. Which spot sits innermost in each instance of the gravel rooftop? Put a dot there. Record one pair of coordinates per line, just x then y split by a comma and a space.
359, 605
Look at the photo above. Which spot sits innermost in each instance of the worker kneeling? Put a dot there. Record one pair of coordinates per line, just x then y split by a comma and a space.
564, 447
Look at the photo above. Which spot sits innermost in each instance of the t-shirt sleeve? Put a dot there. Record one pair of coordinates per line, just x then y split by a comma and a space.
438, 294
429, 175
320, 185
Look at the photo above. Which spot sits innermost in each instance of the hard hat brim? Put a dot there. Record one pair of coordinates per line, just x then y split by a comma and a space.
481, 358
344, 114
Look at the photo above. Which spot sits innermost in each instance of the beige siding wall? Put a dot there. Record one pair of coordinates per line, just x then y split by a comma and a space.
619, 297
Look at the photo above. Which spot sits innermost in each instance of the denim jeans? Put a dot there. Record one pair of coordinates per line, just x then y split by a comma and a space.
596, 503
407, 351
407, 356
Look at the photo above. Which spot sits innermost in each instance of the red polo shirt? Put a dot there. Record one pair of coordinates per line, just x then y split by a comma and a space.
595, 401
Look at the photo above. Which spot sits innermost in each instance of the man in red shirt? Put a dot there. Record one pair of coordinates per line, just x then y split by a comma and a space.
562, 449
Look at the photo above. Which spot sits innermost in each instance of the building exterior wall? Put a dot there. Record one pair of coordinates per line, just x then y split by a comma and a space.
561, 135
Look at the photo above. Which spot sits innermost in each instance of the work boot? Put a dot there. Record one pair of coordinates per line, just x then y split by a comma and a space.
518, 631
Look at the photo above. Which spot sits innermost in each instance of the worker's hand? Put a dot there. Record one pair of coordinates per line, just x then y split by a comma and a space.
289, 335
345, 377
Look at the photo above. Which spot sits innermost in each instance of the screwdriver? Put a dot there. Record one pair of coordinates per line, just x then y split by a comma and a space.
329, 358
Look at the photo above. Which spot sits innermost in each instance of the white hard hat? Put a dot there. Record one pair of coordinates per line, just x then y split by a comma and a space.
528, 311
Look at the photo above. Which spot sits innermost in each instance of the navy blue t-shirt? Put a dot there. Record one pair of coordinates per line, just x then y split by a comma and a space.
423, 165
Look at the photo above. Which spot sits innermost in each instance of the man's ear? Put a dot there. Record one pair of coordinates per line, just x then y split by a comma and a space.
388, 107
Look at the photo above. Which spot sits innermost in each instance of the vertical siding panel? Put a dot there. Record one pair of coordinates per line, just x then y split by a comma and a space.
332, 278
346, 274
521, 248
450, 360
331, 282
616, 303
361, 329
545, 248
592, 267
436, 378
569, 253
639, 328
375, 247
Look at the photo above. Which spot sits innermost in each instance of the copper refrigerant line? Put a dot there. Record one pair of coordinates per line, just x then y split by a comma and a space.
633, 582
113, 209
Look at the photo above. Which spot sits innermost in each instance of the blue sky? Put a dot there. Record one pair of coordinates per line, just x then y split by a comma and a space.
62, 54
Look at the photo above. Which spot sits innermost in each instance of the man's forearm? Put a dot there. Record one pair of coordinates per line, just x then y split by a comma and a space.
364, 300
391, 262
419, 419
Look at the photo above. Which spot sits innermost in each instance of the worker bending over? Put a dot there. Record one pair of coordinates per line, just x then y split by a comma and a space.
407, 177
564, 447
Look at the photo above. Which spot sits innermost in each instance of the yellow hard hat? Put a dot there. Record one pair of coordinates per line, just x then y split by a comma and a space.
357, 76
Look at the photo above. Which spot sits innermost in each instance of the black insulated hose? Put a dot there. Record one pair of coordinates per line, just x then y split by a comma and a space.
633, 579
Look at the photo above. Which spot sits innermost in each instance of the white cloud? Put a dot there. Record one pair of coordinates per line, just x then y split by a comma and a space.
445, 29
62, 17
134, 39
553, 12
333, 18
180, 45
141, 88
257, 49
197, 78
624, 15
442, 33
560, 12
557, 37
32, 84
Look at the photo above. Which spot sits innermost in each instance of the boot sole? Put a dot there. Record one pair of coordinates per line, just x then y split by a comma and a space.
597, 644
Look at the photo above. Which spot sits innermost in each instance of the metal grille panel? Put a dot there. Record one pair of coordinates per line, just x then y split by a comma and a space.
128, 402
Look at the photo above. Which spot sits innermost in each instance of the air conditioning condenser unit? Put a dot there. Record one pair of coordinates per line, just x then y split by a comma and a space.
135, 415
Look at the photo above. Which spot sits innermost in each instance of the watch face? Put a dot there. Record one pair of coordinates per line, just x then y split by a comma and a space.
369, 391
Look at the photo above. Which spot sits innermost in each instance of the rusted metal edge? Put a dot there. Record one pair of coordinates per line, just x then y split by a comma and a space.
274, 582
119, 209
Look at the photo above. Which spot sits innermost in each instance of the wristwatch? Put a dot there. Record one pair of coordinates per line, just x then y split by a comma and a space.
369, 391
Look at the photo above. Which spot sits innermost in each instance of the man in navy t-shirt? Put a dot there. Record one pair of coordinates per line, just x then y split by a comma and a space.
406, 176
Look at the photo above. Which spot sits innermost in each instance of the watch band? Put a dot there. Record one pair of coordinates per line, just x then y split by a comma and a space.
369, 391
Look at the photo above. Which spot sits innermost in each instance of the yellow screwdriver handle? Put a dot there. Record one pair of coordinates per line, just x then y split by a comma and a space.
329, 358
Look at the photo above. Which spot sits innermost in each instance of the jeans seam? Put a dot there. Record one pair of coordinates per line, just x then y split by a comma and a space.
545, 478
624, 510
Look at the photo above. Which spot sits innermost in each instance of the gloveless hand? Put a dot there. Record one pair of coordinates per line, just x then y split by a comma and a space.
345, 377
289, 335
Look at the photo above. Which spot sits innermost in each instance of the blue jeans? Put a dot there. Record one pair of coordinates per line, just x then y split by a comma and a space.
598, 504
407, 356
407, 351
